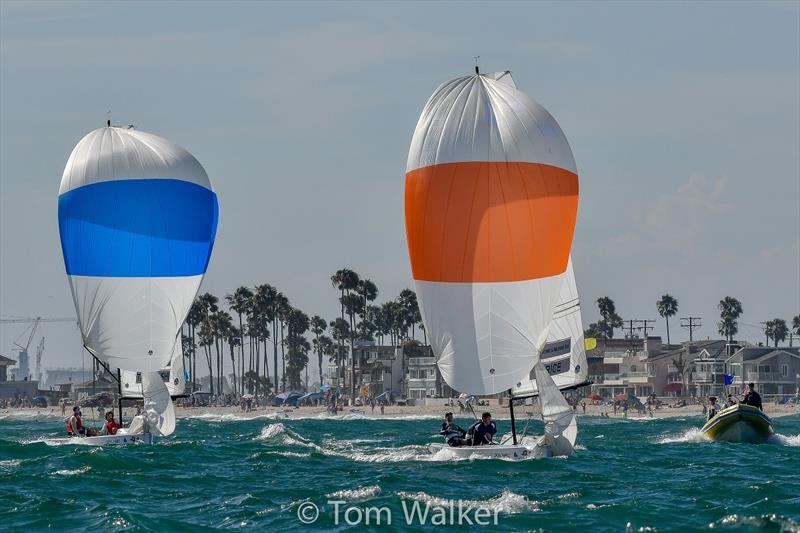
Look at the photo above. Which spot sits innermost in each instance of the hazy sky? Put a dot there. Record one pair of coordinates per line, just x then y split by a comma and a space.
684, 120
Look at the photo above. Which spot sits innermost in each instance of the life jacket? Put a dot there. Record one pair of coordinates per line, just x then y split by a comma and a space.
112, 427
70, 429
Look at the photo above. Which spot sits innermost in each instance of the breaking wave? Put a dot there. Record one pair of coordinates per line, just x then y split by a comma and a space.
768, 521
506, 502
362, 493
81, 470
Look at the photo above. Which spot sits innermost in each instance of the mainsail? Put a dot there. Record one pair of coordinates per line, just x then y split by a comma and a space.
490, 201
137, 217
563, 356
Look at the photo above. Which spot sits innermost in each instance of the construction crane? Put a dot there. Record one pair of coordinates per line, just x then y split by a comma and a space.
22, 361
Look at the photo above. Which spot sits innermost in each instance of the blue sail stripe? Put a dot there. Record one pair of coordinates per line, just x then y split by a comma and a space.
138, 228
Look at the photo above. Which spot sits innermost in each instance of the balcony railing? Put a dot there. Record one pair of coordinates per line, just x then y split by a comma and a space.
770, 377
421, 361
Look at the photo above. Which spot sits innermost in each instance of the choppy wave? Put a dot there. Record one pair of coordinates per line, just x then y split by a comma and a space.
75, 472
506, 502
772, 522
30, 415
351, 495
231, 417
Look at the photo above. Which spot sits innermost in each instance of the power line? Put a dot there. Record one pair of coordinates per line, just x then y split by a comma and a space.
691, 323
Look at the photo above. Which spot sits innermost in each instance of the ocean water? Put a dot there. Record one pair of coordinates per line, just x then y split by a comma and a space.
227, 472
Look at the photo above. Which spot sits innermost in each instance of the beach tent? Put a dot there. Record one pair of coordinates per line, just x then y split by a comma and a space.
287, 398
386, 396
308, 398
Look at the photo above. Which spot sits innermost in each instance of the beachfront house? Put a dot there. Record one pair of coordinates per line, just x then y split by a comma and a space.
378, 369
618, 365
774, 371
673, 372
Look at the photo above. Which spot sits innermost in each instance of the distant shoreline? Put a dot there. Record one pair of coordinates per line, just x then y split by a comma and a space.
392, 412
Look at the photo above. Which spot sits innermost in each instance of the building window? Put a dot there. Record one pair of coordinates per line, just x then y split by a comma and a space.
784, 370
763, 368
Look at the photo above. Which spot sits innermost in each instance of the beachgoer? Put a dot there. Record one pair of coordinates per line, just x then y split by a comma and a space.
383, 405
111, 426
713, 408
372, 404
453, 433
482, 431
752, 397
625, 410
583, 406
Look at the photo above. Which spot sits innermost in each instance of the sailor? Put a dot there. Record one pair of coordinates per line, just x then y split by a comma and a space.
111, 426
482, 431
713, 408
453, 433
752, 397
728, 402
75, 425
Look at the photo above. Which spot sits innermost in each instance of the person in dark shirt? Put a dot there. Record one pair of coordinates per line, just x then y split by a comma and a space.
752, 397
453, 433
482, 432
713, 407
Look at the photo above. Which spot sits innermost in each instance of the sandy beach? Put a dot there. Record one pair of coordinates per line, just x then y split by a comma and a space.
392, 411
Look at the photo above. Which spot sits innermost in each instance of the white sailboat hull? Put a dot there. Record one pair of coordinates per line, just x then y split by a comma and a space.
105, 440
500, 451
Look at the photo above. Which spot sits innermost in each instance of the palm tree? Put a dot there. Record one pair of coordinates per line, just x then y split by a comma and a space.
667, 306
795, 328
194, 319
318, 327
408, 300
346, 281
730, 309
234, 338
340, 331
240, 303
610, 318
368, 292
777, 330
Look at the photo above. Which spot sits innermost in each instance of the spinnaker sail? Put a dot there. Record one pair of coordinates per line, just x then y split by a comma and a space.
137, 218
491, 199
564, 355
174, 377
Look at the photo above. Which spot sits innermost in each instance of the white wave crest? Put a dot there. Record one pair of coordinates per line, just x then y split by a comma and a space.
785, 440
9, 464
362, 493
690, 435
30, 415
81, 470
230, 417
767, 521
506, 502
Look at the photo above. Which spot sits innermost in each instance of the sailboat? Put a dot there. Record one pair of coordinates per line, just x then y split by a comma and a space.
491, 200
137, 218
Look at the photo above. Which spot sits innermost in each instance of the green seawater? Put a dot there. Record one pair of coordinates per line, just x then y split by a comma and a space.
227, 472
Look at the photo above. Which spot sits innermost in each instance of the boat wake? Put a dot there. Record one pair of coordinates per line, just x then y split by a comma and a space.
690, 435
279, 434
785, 440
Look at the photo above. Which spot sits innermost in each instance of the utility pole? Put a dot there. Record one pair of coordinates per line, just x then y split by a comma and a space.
691, 323
647, 329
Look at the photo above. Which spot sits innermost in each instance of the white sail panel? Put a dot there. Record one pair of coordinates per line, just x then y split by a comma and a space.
173, 376
485, 333
158, 408
564, 355
560, 426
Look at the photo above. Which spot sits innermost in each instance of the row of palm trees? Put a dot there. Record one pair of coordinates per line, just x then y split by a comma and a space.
261, 322
730, 310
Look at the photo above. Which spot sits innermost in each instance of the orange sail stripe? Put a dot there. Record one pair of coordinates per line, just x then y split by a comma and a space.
489, 221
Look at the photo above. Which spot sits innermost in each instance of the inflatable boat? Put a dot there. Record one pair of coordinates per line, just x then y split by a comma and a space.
739, 423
